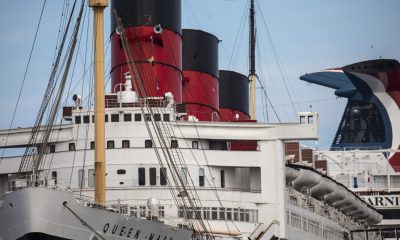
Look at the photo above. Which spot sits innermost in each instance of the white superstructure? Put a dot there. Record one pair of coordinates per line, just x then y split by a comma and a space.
247, 193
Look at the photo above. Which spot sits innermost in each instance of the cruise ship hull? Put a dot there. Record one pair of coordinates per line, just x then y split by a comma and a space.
40, 213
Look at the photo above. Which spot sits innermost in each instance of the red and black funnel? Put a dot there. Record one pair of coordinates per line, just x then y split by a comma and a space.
200, 74
153, 30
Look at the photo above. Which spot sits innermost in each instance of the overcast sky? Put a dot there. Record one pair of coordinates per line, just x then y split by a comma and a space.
307, 36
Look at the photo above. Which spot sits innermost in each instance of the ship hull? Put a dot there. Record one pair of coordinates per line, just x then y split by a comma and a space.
39, 213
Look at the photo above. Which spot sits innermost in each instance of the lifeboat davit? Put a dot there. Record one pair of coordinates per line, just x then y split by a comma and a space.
291, 174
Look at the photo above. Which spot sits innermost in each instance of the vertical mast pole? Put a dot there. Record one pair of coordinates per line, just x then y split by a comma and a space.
99, 108
252, 59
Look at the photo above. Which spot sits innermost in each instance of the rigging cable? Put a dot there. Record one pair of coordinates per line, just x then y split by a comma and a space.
277, 60
55, 106
29, 151
23, 80
168, 154
241, 25
265, 91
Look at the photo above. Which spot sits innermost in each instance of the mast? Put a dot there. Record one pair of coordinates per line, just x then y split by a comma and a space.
252, 59
99, 108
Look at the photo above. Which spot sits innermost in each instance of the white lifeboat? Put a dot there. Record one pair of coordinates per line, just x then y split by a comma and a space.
306, 179
335, 196
324, 187
351, 207
291, 174
348, 200
365, 215
374, 218
359, 211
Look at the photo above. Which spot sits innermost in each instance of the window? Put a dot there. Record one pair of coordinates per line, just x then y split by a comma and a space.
166, 117
184, 172
78, 119
142, 176
181, 212
302, 119
91, 178
52, 148
222, 178
310, 119
133, 211
114, 117
229, 214
148, 144
147, 117
127, 117
110, 144
92, 118
92, 145
106, 118
121, 171
142, 211
86, 119
174, 143
81, 178
241, 214
236, 214
161, 211
125, 144
247, 215
153, 176
163, 176
214, 213
71, 147
54, 176
218, 145
157, 117
138, 117
221, 213
206, 213
195, 144
201, 177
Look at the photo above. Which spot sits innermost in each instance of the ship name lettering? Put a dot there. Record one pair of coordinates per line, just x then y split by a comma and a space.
384, 201
151, 236
137, 234
122, 232
114, 229
106, 227
129, 232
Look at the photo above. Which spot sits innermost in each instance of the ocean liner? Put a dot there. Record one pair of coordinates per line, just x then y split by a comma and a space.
186, 157
364, 155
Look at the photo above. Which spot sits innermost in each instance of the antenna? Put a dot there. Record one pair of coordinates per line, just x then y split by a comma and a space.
252, 61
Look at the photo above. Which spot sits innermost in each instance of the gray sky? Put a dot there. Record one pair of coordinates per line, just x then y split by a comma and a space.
307, 35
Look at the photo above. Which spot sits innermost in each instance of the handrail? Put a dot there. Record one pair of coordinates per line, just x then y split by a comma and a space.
262, 232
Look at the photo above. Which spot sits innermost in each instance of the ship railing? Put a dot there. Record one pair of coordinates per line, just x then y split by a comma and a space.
35, 181
315, 206
137, 211
355, 148
158, 102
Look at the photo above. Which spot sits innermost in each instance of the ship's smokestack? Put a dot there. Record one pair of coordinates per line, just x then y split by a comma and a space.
153, 29
233, 96
200, 74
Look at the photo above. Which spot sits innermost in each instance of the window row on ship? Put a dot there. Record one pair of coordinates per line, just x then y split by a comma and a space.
313, 226
148, 143
125, 117
150, 176
206, 213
